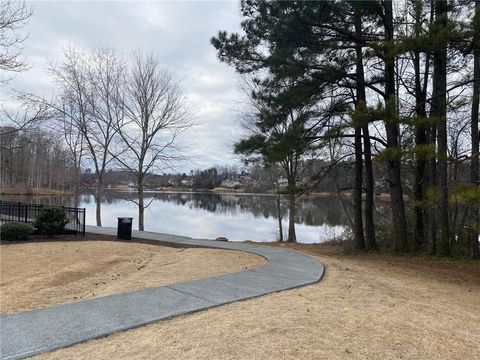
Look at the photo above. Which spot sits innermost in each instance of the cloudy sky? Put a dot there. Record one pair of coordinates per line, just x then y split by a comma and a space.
177, 32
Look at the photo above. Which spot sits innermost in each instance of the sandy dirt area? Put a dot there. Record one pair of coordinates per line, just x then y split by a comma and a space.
366, 307
35, 275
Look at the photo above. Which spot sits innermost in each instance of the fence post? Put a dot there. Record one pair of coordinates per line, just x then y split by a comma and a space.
19, 208
84, 214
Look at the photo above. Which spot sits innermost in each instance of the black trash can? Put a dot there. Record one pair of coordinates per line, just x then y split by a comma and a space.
124, 228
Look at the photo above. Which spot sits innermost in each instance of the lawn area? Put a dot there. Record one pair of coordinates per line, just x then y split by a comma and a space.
366, 307
47, 273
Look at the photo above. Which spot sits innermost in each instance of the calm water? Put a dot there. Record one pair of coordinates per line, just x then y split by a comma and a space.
209, 215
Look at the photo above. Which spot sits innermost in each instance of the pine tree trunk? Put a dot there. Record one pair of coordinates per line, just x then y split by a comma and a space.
292, 237
420, 139
357, 192
369, 242
432, 183
358, 177
392, 130
440, 68
474, 166
279, 215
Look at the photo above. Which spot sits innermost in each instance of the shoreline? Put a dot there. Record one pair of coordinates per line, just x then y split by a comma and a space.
56, 192
34, 191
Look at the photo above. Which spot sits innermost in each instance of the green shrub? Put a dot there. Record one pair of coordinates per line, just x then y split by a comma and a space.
13, 231
51, 221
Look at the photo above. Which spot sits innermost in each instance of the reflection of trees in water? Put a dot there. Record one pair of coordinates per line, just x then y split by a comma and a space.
312, 211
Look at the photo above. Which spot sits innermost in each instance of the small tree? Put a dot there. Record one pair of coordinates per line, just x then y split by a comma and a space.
280, 134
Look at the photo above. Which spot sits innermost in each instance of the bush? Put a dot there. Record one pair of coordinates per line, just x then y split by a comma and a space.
51, 221
13, 231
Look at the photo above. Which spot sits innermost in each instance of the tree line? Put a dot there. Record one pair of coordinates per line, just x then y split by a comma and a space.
391, 83
34, 159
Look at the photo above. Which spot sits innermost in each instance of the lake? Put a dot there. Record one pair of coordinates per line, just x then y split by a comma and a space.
238, 217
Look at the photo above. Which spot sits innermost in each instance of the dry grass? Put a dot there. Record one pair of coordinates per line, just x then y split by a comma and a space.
24, 189
39, 274
366, 307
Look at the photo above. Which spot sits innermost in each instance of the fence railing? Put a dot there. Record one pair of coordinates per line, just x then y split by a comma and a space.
28, 213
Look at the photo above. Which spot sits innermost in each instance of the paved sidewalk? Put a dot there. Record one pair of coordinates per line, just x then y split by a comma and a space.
37, 331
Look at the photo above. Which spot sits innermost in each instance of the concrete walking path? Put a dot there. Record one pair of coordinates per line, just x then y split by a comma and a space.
33, 332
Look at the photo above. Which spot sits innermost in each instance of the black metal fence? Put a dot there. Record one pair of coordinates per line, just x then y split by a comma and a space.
28, 213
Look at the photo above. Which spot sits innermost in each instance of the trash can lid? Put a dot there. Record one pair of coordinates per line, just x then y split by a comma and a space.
125, 219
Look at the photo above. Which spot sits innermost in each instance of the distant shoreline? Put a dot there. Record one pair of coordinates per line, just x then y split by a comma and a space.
23, 191
31, 191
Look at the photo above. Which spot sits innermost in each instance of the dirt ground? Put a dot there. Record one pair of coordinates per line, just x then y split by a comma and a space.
366, 307
40, 274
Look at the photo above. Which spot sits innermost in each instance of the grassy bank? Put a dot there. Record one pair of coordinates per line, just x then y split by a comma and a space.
27, 190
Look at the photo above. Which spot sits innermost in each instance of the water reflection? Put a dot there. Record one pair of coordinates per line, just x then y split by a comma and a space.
208, 215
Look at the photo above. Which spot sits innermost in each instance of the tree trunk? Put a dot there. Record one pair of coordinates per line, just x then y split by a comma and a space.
357, 192
141, 205
360, 242
392, 130
98, 203
440, 68
420, 138
432, 166
279, 215
292, 237
371, 241
474, 166
432, 183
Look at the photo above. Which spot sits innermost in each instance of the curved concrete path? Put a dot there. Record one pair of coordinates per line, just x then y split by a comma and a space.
33, 332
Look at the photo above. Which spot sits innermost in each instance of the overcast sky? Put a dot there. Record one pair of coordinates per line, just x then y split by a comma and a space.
177, 32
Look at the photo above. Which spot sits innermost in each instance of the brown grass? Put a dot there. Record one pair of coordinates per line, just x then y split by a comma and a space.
23, 189
40, 274
366, 307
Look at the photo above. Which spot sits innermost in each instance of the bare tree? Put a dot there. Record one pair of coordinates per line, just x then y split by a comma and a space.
155, 114
26, 117
14, 15
88, 107
105, 77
